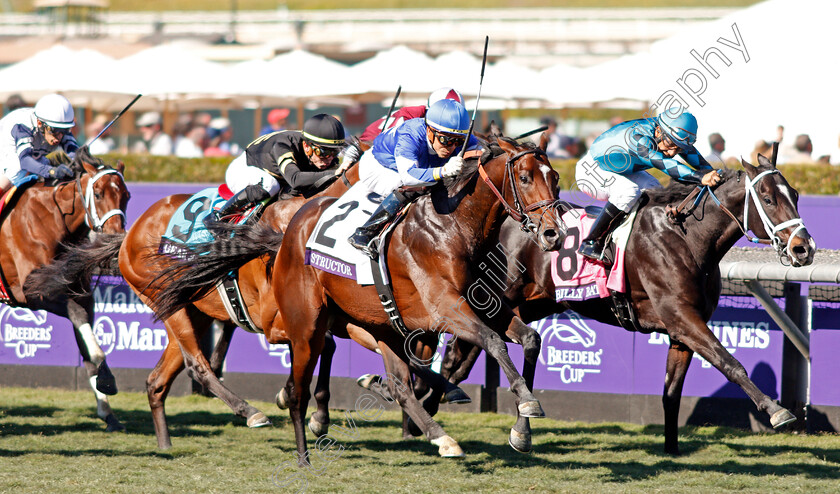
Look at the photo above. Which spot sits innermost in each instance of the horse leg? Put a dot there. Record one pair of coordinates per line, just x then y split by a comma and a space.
158, 384
304, 355
319, 423
458, 360
698, 337
399, 385
220, 350
101, 379
676, 367
520, 433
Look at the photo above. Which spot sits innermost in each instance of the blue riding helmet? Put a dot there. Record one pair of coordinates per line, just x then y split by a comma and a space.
682, 128
448, 116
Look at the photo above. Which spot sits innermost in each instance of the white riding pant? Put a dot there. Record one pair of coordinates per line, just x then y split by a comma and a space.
623, 191
376, 177
10, 166
239, 175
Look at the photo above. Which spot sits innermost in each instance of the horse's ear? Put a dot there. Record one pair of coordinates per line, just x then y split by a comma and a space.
543, 141
120, 167
89, 168
495, 130
764, 162
506, 146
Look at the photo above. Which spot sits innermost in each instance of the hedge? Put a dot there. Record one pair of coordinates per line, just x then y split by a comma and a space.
807, 179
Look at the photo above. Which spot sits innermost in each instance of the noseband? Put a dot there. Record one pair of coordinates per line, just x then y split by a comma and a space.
518, 211
92, 219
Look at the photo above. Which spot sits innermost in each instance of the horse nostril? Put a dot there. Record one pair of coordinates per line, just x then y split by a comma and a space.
800, 250
550, 233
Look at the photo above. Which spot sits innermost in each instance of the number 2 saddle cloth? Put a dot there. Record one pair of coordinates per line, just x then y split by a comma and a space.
580, 278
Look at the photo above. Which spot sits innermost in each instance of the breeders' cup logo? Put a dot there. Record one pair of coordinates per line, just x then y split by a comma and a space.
560, 335
25, 331
279, 351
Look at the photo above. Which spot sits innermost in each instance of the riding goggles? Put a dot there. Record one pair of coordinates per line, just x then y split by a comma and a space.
324, 151
449, 140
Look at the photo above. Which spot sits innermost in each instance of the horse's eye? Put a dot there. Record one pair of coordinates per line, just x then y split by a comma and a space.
768, 201
523, 179
98, 196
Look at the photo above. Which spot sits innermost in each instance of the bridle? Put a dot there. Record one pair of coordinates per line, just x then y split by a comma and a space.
519, 211
750, 192
92, 218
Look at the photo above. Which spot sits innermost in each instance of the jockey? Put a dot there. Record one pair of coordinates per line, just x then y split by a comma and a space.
28, 135
409, 112
417, 153
289, 161
614, 168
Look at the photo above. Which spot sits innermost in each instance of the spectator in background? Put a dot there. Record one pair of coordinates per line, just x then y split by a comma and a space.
557, 142
219, 133
15, 101
801, 152
718, 145
154, 140
105, 144
276, 121
761, 147
189, 137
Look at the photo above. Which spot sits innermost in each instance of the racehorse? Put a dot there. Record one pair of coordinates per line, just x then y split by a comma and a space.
429, 265
42, 223
673, 278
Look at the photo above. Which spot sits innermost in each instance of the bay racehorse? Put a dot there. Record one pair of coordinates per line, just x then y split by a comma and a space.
673, 278
43, 221
429, 264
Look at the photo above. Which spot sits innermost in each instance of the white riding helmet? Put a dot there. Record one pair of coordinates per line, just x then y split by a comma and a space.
444, 93
55, 111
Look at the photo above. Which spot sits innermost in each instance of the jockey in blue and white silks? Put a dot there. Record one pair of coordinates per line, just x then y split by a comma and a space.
418, 152
28, 135
615, 167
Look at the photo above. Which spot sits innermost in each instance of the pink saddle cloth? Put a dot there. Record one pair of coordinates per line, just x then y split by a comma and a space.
580, 278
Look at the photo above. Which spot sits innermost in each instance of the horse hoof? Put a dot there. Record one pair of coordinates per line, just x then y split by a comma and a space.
106, 383
448, 447
781, 418
258, 420
456, 396
318, 428
531, 409
519, 441
282, 399
367, 380
114, 424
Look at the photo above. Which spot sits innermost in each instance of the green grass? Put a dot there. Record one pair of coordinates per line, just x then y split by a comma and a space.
156, 5
52, 442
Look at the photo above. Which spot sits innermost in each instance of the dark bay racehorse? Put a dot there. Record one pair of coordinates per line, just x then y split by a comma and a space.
673, 278
428, 260
41, 224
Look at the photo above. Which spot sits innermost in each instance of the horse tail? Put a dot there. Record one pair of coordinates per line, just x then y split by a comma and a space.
190, 278
71, 272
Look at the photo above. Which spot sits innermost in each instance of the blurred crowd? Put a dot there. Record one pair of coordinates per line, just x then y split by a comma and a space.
199, 134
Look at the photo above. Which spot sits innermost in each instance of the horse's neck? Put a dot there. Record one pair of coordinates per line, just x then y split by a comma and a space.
715, 233
480, 214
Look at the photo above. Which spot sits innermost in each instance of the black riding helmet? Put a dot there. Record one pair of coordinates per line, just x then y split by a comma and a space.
324, 131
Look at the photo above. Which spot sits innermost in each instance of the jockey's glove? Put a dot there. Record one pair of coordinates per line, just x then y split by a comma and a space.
61, 172
352, 153
453, 167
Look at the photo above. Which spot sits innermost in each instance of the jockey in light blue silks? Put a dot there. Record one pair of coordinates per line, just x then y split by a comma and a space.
614, 168
419, 152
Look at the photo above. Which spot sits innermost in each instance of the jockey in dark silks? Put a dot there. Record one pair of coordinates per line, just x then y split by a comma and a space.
614, 168
291, 162
419, 152
28, 135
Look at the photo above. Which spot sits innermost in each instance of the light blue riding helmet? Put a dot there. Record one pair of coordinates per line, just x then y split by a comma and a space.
448, 116
680, 128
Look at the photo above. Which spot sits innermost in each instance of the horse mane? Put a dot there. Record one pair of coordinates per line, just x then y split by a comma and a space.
491, 150
677, 191
83, 156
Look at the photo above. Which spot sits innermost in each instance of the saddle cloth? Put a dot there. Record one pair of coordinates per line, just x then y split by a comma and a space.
327, 248
186, 226
580, 278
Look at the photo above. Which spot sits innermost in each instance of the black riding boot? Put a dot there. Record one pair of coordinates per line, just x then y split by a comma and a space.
593, 245
240, 201
363, 238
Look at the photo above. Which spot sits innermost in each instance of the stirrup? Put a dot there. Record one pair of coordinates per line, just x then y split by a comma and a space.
368, 248
590, 249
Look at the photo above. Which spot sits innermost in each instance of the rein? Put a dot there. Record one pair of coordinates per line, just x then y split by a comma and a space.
518, 212
92, 218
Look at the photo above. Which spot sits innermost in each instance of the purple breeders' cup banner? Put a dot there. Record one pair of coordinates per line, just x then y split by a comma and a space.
124, 327
36, 338
825, 341
749, 334
579, 354
250, 352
